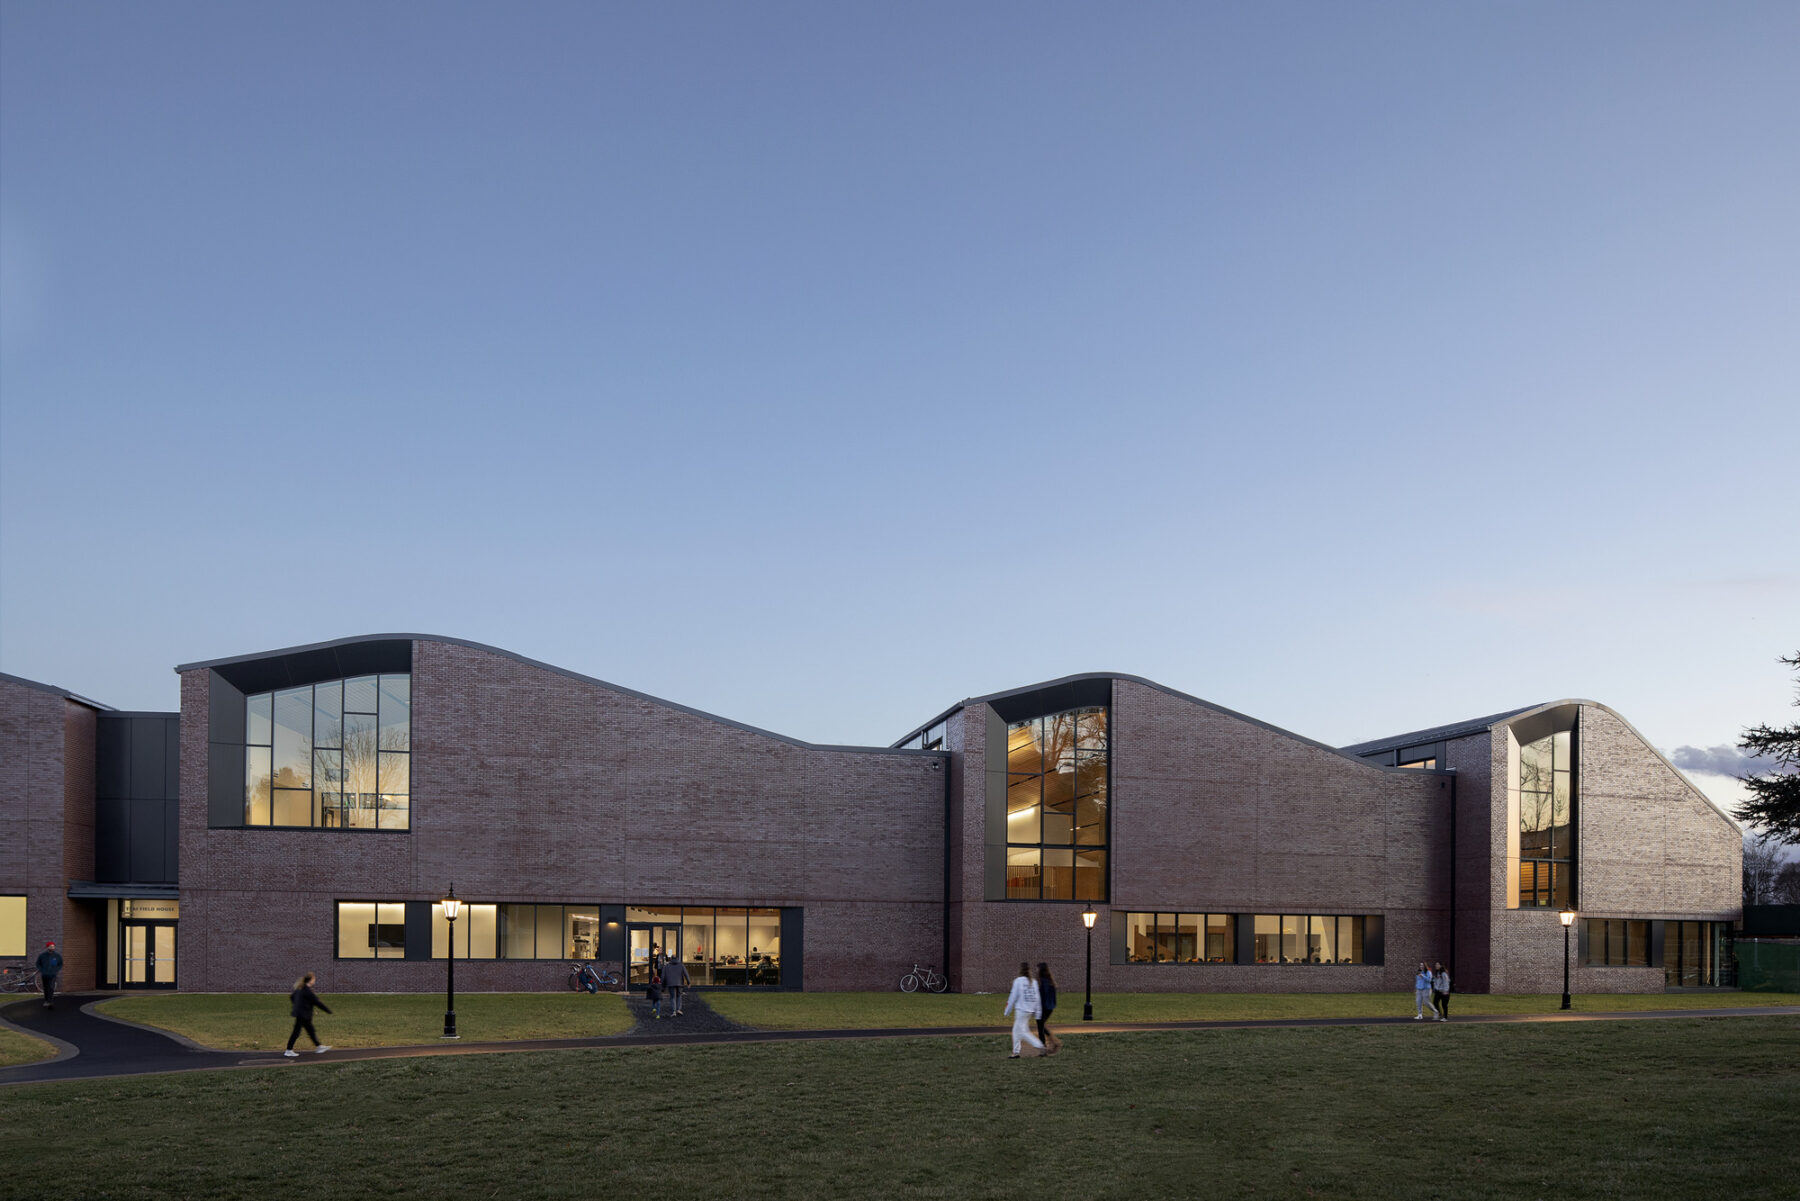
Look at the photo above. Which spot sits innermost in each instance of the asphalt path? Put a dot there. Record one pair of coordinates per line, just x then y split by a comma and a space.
93, 1047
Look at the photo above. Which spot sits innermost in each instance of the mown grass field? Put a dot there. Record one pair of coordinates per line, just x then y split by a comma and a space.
1672, 1109
16, 1048
260, 1021
874, 1010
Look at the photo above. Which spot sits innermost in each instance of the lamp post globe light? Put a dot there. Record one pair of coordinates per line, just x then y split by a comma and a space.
452, 909
1087, 1006
1568, 919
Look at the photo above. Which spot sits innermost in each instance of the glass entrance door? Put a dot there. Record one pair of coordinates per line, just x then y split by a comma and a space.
149, 954
646, 944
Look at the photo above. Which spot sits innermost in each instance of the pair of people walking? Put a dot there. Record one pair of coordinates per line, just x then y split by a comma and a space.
1032, 1001
668, 984
1431, 987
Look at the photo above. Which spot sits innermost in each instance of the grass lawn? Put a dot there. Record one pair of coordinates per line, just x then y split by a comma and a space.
870, 1010
16, 1048
1680, 1109
260, 1021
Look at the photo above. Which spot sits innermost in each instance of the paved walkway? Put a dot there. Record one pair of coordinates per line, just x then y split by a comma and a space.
92, 1047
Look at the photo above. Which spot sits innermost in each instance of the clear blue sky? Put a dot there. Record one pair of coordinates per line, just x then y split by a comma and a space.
1359, 367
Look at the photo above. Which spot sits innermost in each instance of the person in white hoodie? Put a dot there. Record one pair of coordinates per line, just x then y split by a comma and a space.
1024, 1006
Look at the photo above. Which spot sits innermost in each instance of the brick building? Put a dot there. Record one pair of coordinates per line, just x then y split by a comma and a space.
308, 808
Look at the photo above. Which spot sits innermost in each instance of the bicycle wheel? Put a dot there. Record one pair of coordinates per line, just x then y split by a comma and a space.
937, 984
909, 983
574, 981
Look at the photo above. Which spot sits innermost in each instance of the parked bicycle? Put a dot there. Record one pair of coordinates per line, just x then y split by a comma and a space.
925, 977
586, 976
18, 979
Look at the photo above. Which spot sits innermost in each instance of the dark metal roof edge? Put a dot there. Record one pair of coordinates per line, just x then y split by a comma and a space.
176, 713
1458, 729
56, 690
1148, 683
561, 671
87, 890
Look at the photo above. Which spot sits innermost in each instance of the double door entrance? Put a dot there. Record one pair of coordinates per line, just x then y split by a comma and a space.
646, 944
149, 949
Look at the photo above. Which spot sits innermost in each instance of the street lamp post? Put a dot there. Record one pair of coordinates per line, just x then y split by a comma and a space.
1568, 919
452, 908
1087, 1006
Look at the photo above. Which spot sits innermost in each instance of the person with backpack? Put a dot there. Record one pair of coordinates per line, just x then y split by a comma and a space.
675, 981
301, 1003
49, 966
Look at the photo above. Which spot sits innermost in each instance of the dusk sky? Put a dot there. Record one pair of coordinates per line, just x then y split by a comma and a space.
1356, 367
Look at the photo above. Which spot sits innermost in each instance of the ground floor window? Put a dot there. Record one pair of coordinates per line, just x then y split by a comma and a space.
12, 926
371, 930
1180, 938
1694, 954
737, 946
1308, 938
719, 945
1617, 942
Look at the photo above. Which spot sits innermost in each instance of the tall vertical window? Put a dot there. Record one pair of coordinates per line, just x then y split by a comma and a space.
1547, 821
1056, 819
335, 755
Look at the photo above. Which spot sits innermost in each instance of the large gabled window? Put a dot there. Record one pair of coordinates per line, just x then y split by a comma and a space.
1056, 806
334, 755
1547, 821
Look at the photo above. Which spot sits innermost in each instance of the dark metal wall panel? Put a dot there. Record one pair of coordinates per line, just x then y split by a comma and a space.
612, 934
172, 842
112, 756
172, 757
1246, 938
225, 711
1374, 940
112, 856
418, 931
148, 841
147, 749
793, 949
225, 785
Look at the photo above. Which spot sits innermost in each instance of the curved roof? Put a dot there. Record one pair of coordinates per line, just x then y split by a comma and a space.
1070, 685
357, 648
1482, 725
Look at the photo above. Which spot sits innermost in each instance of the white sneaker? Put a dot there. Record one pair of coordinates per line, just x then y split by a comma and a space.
291, 1053
321, 1050
1418, 1017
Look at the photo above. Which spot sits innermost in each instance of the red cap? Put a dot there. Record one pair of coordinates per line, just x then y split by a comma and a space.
50, 944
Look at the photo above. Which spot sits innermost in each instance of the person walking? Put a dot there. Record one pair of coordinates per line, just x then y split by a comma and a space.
49, 966
1047, 1001
1024, 1005
1440, 991
1422, 998
675, 982
653, 993
301, 1003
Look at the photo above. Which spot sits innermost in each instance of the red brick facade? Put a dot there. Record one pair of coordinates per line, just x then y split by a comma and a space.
531, 784
47, 820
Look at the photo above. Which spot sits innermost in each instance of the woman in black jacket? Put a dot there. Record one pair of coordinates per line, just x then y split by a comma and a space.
301, 1003
1047, 995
